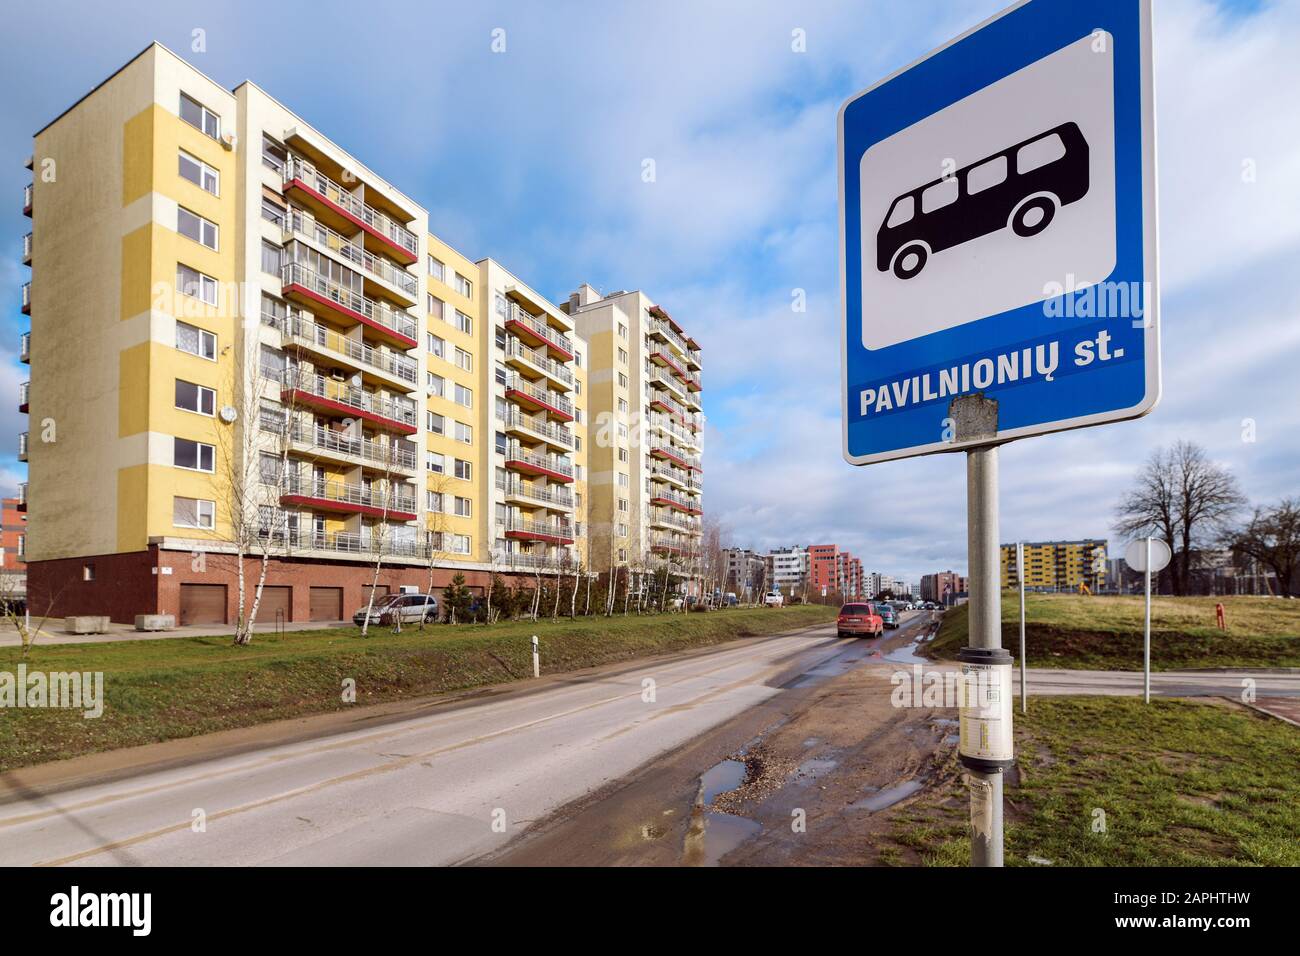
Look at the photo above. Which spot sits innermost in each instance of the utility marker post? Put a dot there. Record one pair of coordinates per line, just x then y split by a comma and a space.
537, 660
1020, 576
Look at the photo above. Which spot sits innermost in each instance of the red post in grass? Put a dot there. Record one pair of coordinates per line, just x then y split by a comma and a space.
1218, 617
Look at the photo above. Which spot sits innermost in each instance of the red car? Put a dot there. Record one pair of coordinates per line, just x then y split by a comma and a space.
859, 620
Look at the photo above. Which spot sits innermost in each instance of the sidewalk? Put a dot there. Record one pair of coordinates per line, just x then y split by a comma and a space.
53, 633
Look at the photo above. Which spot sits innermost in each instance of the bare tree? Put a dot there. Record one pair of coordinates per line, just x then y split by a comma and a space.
381, 532
435, 532
1183, 498
1272, 537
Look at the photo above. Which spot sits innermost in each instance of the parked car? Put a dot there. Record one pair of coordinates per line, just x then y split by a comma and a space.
887, 614
773, 599
859, 620
408, 608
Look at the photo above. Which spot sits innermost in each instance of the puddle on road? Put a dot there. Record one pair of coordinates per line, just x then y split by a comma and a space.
718, 779
907, 655
883, 799
810, 770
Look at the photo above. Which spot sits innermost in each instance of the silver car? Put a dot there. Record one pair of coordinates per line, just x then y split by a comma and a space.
409, 608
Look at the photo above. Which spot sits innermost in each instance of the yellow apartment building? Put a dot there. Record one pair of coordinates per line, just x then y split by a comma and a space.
1057, 565
645, 431
243, 339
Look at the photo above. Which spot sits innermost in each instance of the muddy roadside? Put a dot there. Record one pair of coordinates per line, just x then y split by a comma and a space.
811, 776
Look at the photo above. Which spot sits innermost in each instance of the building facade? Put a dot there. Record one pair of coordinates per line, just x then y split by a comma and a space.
1057, 565
788, 570
942, 587
279, 357
645, 427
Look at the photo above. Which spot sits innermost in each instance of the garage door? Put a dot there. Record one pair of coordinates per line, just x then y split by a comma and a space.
275, 600
203, 604
326, 604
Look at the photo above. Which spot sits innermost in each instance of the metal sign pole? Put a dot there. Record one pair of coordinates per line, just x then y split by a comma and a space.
1146, 632
985, 640
1020, 576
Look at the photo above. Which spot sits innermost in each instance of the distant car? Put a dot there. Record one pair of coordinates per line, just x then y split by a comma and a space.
859, 620
408, 608
773, 599
887, 614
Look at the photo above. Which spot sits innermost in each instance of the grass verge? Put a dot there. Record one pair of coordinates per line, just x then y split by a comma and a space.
1106, 632
1109, 781
159, 690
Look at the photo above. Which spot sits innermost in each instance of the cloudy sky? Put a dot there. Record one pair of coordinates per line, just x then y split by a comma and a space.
534, 156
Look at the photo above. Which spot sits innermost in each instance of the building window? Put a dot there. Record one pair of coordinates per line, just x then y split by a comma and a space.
464, 433
433, 502
457, 543
88, 572
464, 360
268, 468
273, 212
191, 282
500, 442
434, 345
195, 398
200, 117
435, 423
199, 173
464, 396
193, 455
463, 286
622, 356
272, 258
501, 374
624, 481
464, 470
464, 323
193, 512
622, 331
196, 341
435, 270
195, 227
463, 507
622, 380
435, 463
622, 504
274, 155
436, 385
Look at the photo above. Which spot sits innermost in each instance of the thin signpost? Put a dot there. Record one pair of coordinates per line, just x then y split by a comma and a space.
1020, 576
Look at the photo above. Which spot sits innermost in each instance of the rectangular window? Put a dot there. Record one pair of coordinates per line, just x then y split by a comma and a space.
622, 380
434, 345
622, 331
195, 227
464, 323
193, 512
194, 283
464, 396
437, 308
268, 467
435, 269
622, 504
193, 455
195, 398
624, 481
464, 433
500, 440
433, 501
436, 385
501, 374
200, 117
435, 463
272, 258
622, 356
464, 470
458, 543
464, 360
435, 423
196, 341
273, 212
463, 286
463, 507
274, 155
199, 173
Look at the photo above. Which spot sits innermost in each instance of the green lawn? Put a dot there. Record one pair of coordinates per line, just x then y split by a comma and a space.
1177, 783
1064, 630
179, 687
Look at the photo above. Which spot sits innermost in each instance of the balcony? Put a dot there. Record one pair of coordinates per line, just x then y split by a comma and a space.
394, 279
662, 403
669, 545
669, 452
661, 471
536, 332
536, 429
663, 518
25, 347
665, 359
332, 345
303, 180
22, 496
22, 446
330, 495
692, 400
678, 502
312, 289
693, 359
525, 529
345, 542
524, 560
340, 398
379, 454
27, 249
522, 357
693, 382
666, 424
663, 380
662, 330
545, 495
24, 396
535, 397
533, 463
27, 200
27, 298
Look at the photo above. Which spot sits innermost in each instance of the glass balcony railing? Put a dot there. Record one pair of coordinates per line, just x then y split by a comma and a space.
28, 191
516, 349
539, 329
395, 454
516, 453
544, 396
318, 336
353, 496
539, 426
346, 394
25, 347
547, 495
22, 446
526, 527
378, 313
392, 231
354, 252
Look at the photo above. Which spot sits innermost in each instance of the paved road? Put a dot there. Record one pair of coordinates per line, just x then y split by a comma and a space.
456, 784
430, 790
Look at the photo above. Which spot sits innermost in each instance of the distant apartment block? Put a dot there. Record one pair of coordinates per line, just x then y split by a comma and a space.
942, 587
1057, 565
788, 570
744, 572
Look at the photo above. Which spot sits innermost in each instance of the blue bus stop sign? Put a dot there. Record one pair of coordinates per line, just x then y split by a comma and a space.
998, 232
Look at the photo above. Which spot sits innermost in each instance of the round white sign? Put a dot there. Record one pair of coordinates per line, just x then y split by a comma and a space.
1135, 555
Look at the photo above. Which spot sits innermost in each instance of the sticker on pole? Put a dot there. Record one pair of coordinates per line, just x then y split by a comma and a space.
997, 204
